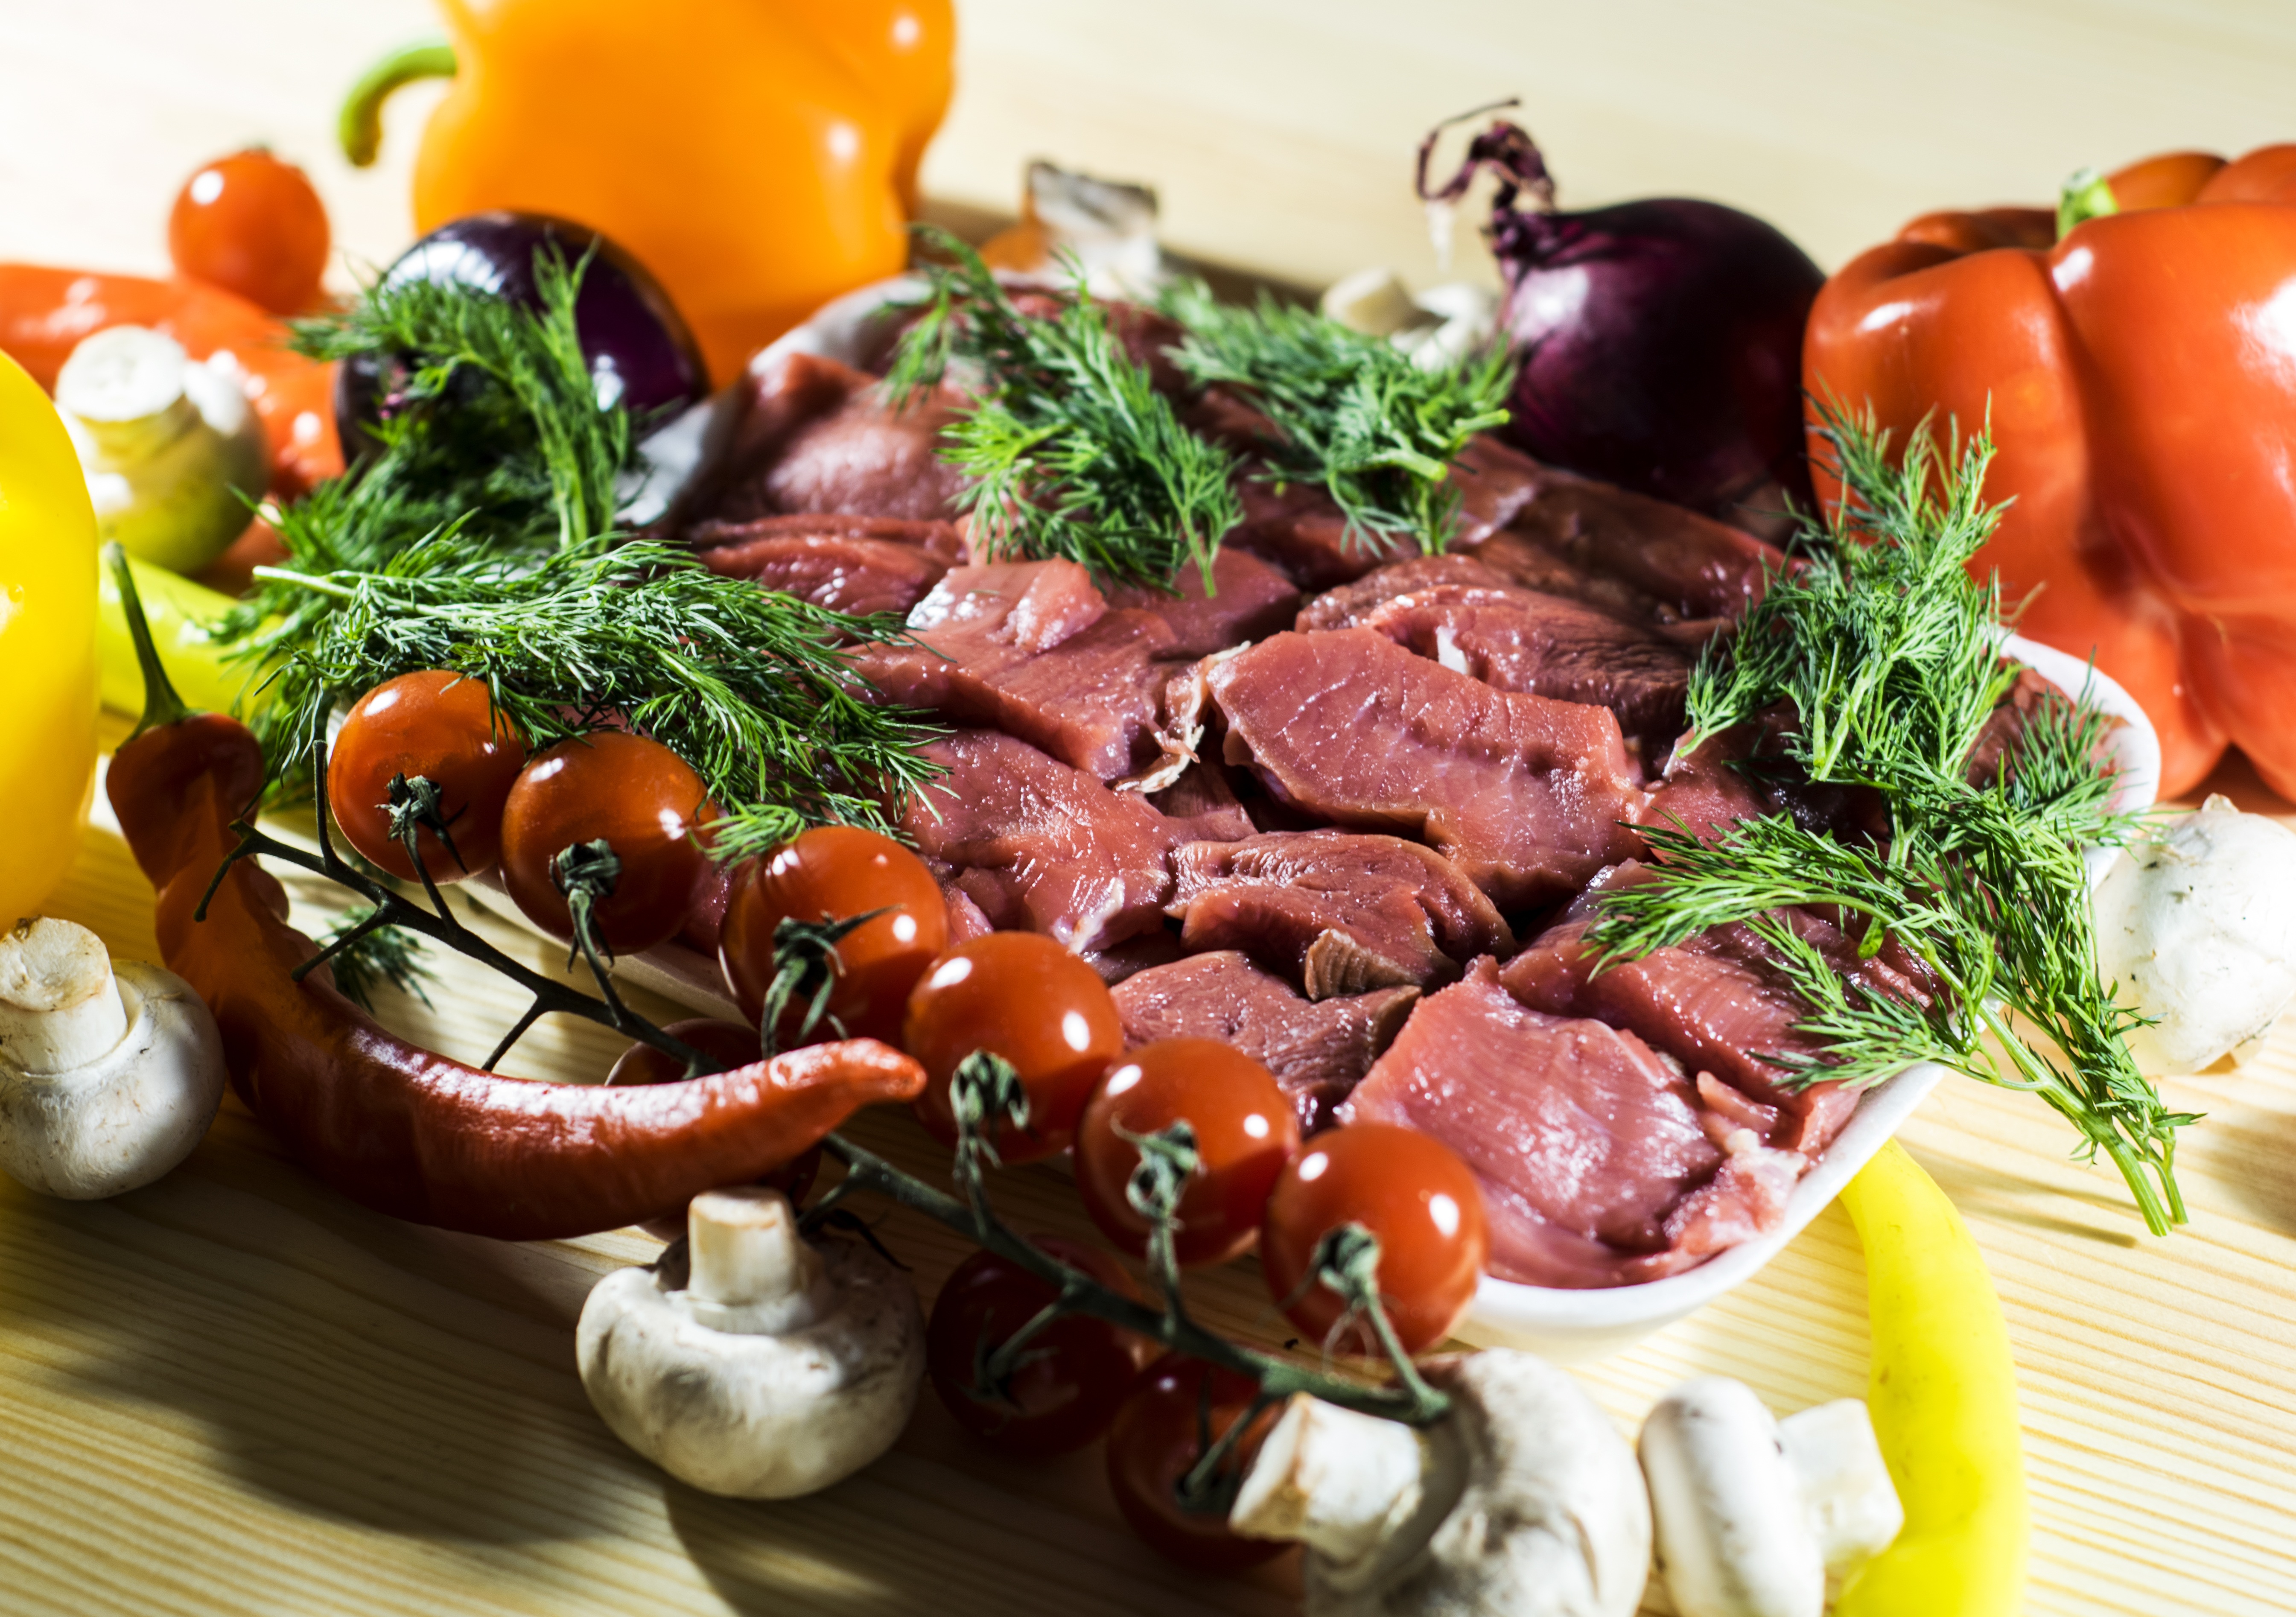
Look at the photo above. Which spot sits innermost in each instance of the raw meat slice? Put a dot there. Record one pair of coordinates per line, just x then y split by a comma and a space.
944, 541
844, 572
1527, 795
1318, 1050
1459, 613
1032, 649
1202, 805
1141, 953
1721, 1005
1335, 912
1036, 846
1691, 565
1250, 599
1300, 528
808, 434
1600, 1165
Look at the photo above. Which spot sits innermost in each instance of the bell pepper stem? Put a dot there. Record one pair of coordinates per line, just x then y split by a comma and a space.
161, 705
2087, 195
359, 127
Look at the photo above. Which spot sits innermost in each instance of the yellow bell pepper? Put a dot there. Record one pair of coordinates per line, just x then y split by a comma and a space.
1943, 1393
47, 645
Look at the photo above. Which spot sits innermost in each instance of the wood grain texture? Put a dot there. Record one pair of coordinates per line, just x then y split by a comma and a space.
234, 1391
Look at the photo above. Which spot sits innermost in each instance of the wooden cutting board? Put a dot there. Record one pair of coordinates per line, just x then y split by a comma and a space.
234, 1391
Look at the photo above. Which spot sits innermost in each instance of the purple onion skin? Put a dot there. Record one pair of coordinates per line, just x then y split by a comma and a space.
638, 345
1660, 344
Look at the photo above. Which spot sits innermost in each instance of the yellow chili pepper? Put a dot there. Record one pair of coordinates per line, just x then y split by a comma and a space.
1944, 1399
47, 645
177, 609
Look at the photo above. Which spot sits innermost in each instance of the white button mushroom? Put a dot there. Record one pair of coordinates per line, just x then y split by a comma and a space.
1524, 1500
2197, 926
1754, 1515
169, 445
108, 1075
749, 1361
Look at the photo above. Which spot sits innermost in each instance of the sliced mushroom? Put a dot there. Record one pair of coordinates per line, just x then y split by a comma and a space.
108, 1075
750, 1361
1755, 1514
1523, 1500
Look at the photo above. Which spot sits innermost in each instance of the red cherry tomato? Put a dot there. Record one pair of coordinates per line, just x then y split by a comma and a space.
1075, 1371
636, 796
729, 1045
1153, 1443
441, 726
252, 224
833, 874
1408, 1189
1245, 1132
1030, 1001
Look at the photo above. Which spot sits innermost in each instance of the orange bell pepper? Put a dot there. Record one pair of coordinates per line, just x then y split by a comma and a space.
44, 312
760, 157
2138, 372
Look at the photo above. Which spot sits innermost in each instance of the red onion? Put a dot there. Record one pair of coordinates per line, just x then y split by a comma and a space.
1660, 342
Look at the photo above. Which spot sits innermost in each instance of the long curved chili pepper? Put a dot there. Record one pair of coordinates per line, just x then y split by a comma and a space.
410, 1132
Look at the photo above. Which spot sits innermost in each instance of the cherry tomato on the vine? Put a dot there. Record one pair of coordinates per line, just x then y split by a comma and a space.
251, 224
1245, 1132
442, 727
640, 799
728, 1045
1072, 1374
1026, 998
1154, 1442
833, 874
1407, 1188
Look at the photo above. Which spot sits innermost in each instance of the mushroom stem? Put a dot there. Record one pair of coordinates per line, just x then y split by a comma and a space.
751, 1272
60, 1007
1845, 1485
1330, 1479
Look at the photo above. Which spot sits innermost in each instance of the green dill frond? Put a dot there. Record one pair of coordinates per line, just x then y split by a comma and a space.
1354, 413
749, 687
1068, 450
496, 440
1887, 653
378, 955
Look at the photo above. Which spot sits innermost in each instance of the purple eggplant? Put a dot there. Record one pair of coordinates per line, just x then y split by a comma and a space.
1658, 341
640, 351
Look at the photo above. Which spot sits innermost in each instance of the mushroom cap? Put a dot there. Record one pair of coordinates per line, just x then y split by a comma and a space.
1533, 1506
122, 1120
2197, 926
755, 1417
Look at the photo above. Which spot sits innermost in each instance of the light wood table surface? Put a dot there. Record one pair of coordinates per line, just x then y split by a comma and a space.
235, 1391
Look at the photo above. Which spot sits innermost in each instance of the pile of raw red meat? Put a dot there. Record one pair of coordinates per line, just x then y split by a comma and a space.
1343, 810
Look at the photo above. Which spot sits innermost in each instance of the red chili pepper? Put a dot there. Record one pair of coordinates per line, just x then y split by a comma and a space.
412, 1133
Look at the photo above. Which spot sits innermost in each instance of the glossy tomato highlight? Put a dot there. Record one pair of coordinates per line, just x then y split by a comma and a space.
833, 874
1245, 1132
1407, 1188
1022, 996
1073, 1374
441, 726
639, 798
251, 224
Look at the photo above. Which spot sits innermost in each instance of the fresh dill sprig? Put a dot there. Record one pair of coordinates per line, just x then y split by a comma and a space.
375, 956
747, 685
1887, 654
1353, 413
1068, 450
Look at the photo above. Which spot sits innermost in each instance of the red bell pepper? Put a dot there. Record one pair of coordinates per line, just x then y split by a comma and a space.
2139, 379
